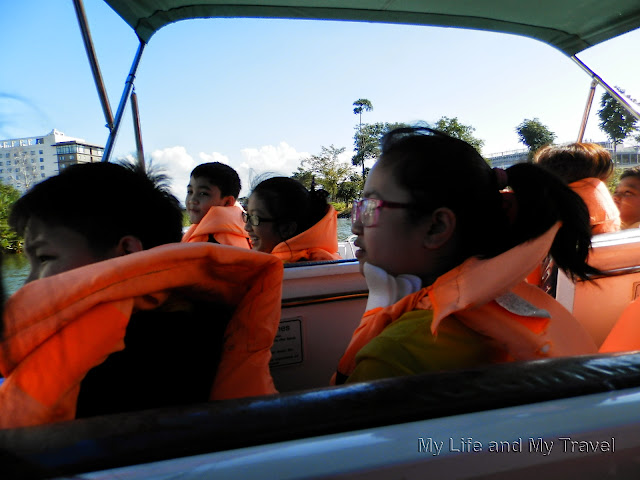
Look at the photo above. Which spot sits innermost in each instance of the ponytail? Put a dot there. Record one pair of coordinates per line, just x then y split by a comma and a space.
542, 200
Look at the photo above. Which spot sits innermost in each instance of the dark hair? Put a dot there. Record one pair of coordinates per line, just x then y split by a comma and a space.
576, 161
287, 200
104, 202
222, 176
441, 171
630, 172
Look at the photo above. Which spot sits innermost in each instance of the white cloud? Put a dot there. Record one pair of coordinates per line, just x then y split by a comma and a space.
177, 164
281, 159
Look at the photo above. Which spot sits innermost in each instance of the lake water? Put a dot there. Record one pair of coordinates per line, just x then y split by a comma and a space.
16, 267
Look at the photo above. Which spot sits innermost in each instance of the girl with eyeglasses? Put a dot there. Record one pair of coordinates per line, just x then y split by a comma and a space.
287, 220
445, 248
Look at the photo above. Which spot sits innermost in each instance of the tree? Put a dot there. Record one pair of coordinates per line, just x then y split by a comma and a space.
534, 135
615, 121
24, 168
350, 189
367, 142
326, 169
452, 127
361, 105
9, 240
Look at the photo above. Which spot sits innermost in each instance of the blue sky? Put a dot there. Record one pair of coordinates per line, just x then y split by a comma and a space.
262, 94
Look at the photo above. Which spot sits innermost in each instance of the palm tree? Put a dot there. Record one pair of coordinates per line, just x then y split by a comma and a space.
361, 105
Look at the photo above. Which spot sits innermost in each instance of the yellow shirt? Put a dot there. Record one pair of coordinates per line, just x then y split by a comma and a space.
407, 347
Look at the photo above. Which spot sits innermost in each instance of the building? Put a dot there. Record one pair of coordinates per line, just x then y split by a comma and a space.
29, 160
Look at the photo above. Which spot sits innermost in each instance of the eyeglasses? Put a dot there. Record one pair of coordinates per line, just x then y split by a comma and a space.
255, 220
367, 210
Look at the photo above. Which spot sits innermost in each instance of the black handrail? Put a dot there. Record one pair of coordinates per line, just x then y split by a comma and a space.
126, 439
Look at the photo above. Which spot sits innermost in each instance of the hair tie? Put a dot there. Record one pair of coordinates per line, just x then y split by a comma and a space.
501, 177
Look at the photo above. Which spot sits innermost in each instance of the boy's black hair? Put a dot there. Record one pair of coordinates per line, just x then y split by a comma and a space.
104, 202
222, 176
630, 172
441, 171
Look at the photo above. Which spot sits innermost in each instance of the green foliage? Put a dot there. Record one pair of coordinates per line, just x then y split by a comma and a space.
350, 189
362, 105
615, 121
534, 135
304, 176
613, 181
9, 240
326, 170
185, 219
455, 129
367, 141
341, 208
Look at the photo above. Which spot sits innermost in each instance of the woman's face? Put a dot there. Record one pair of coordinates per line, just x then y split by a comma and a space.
396, 242
627, 199
264, 236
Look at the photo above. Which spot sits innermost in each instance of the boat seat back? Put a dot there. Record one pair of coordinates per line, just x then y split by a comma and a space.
322, 304
598, 304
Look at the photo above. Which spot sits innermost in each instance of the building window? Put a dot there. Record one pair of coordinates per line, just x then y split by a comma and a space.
17, 170
41, 167
42, 160
40, 140
70, 157
7, 155
8, 162
42, 175
33, 160
40, 150
33, 152
0, 164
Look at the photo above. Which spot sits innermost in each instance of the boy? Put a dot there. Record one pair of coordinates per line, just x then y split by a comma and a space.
211, 187
107, 324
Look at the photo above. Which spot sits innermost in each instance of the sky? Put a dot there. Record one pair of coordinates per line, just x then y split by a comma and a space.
261, 95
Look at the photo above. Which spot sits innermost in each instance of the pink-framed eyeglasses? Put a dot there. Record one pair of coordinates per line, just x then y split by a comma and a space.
367, 210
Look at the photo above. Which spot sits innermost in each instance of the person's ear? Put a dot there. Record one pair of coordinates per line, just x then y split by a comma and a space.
129, 244
287, 229
228, 201
440, 229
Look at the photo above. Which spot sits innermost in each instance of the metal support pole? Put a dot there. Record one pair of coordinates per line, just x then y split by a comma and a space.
128, 86
93, 62
604, 84
136, 127
587, 109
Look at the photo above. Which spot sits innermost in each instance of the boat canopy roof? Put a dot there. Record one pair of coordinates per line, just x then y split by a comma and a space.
569, 25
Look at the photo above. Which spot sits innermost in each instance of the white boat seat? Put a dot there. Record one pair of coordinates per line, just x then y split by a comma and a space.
322, 304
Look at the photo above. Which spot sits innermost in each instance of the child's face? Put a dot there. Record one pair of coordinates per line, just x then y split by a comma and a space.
395, 243
55, 249
201, 196
627, 199
264, 236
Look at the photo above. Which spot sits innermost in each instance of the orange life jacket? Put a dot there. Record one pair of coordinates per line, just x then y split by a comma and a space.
318, 243
603, 212
58, 328
473, 293
224, 223
625, 334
